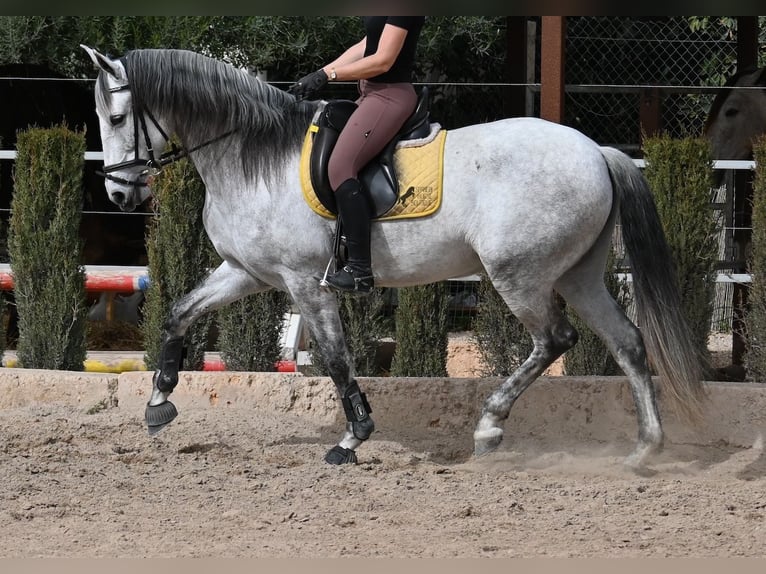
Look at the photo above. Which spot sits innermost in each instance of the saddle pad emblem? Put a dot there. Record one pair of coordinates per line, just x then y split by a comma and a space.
420, 170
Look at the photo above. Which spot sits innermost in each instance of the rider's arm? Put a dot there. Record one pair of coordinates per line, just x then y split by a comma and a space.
352, 65
353, 54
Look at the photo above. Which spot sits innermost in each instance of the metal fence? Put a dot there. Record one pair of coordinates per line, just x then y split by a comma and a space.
612, 61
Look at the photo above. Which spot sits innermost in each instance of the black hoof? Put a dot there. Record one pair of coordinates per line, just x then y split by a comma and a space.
159, 416
340, 455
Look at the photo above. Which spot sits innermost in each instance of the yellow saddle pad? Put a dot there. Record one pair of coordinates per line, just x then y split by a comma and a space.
419, 169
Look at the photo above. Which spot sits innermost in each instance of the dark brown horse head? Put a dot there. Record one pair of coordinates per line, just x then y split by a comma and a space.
738, 115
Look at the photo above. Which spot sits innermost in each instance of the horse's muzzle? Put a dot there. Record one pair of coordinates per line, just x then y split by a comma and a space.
120, 199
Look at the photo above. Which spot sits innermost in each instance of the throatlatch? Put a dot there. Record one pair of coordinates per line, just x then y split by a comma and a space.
360, 424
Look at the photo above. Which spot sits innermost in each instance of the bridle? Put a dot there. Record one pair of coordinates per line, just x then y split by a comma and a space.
153, 165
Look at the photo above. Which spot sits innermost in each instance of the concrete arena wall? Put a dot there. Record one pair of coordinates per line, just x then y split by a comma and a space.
567, 409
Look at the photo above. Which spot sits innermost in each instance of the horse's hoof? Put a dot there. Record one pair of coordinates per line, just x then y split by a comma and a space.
485, 442
159, 416
642, 454
340, 455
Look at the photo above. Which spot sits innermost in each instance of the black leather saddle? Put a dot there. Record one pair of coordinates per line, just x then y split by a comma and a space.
379, 176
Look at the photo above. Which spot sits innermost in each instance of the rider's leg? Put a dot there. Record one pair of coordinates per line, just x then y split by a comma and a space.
355, 212
382, 110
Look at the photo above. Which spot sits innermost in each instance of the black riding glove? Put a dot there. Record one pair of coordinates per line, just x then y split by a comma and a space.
308, 85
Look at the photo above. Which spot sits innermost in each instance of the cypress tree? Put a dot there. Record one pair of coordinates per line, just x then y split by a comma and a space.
755, 317
503, 341
249, 331
590, 356
180, 255
45, 248
680, 173
364, 325
421, 331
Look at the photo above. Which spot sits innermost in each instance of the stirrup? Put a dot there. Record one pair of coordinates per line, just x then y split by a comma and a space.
351, 280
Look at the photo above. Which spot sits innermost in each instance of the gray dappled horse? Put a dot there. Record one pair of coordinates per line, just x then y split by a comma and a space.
531, 203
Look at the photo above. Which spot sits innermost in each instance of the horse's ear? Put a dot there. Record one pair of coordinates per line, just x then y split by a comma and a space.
102, 62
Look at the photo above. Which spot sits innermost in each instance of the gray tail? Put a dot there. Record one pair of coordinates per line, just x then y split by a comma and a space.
666, 332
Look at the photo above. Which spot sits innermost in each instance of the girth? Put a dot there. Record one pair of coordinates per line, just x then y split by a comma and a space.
378, 177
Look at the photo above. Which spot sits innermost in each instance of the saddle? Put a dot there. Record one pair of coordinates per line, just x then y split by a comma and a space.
378, 178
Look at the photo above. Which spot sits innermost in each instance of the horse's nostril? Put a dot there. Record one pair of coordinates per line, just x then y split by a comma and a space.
118, 197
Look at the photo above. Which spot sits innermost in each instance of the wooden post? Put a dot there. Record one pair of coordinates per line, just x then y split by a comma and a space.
514, 97
552, 68
650, 113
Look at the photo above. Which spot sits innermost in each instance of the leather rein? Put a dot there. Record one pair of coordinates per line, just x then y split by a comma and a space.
153, 165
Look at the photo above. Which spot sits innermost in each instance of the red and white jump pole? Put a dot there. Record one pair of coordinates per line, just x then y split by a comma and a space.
127, 279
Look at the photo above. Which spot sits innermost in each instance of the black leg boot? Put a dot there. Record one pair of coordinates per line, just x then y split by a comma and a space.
354, 212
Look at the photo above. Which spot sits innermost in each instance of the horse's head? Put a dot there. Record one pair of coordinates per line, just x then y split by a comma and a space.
737, 116
128, 140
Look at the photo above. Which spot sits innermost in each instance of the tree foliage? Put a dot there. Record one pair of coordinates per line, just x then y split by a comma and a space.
249, 331
180, 255
286, 47
590, 355
421, 331
756, 312
364, 325
680, 173
45, 249
503, 342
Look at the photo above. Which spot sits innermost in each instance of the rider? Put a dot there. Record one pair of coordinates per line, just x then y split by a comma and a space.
382, 62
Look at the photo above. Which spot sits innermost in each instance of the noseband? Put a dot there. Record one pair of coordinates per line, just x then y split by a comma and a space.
153, 165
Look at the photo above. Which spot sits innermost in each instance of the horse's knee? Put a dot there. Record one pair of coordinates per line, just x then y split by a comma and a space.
563, 337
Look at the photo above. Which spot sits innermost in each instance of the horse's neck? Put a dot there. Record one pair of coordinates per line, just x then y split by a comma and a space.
220, 168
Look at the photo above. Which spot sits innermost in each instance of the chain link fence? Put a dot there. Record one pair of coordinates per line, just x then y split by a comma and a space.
611, 62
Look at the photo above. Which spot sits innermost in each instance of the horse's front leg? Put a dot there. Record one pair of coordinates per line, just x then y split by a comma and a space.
320, 311
223, 286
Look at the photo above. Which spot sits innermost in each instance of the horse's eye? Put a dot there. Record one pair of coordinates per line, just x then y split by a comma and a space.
731, 112
117, 119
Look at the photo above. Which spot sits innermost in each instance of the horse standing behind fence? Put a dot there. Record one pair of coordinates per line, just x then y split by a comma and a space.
531, 203
737, 116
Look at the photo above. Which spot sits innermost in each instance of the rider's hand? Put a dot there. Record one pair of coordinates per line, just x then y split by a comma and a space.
308, 84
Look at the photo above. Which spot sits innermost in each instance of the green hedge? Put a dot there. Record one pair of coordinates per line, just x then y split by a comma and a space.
503, 341
249, 331
180, 255
4, 259
590, 355
421, 331
364, 325
45, 249
680, 173
755, 317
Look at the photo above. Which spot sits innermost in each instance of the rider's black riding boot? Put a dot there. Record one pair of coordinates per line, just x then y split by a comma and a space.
354, 211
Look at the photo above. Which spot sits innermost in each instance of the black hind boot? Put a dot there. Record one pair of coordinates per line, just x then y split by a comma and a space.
354, 211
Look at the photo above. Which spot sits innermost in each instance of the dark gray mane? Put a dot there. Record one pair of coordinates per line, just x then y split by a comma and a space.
206, 98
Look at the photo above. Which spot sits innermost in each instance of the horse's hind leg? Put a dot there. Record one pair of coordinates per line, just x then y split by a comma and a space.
593, 303
552, 335
225, 285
